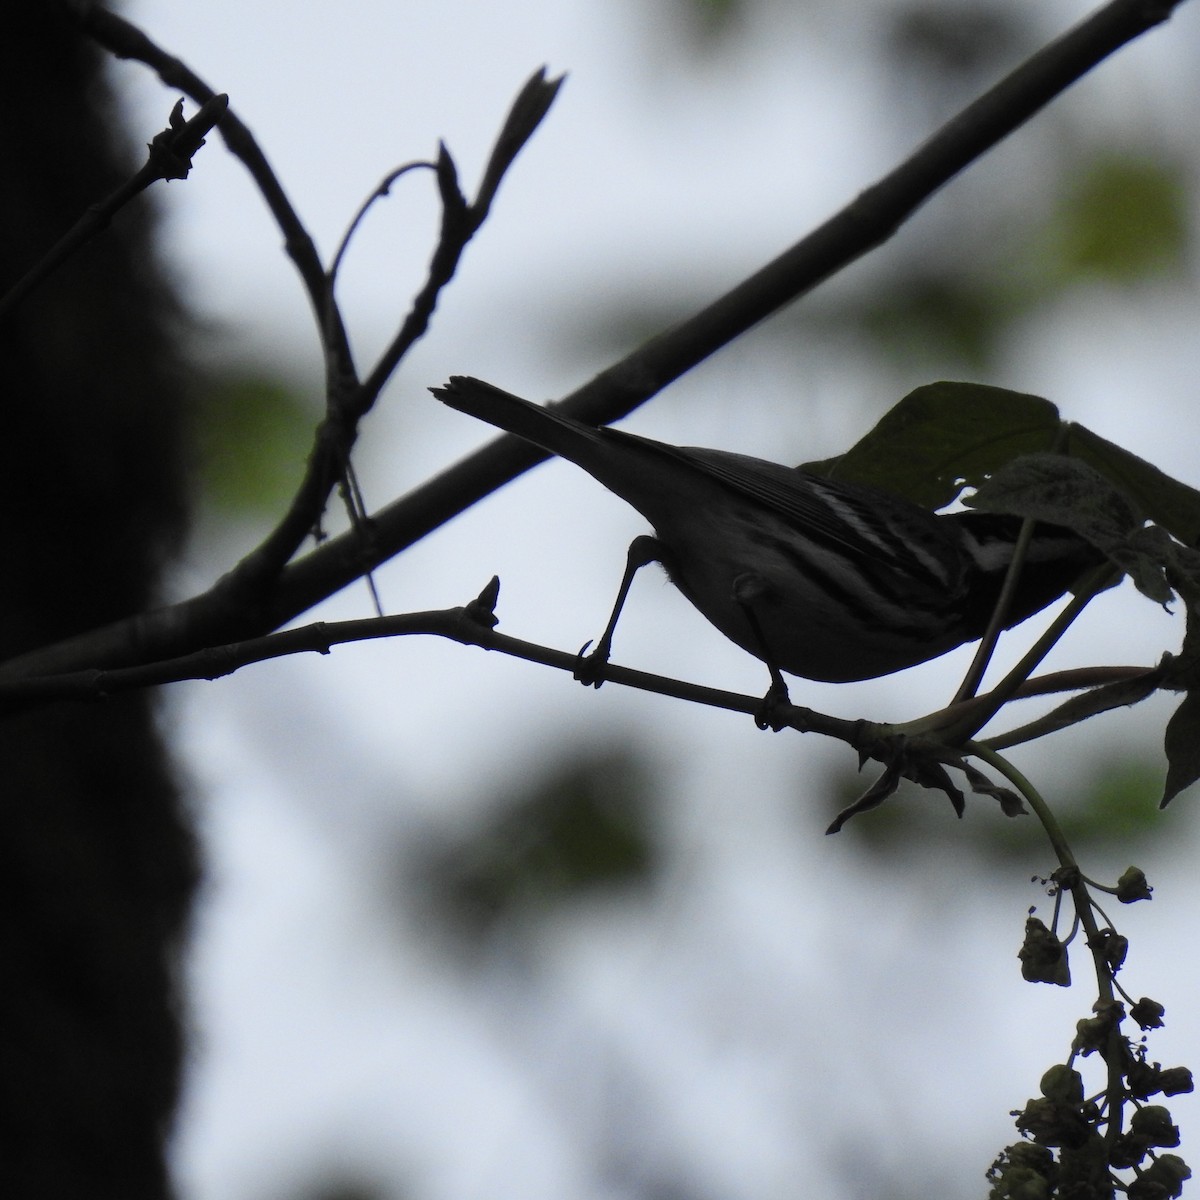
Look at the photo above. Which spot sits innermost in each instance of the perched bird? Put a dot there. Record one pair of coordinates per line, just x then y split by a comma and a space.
822, 579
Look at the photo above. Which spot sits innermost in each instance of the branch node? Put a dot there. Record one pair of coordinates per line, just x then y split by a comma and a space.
172, 150
482, 610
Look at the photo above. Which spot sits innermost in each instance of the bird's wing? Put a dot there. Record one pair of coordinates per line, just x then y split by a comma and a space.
842, 514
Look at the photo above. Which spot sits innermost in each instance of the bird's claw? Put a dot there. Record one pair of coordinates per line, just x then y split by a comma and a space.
769, 713
590, 668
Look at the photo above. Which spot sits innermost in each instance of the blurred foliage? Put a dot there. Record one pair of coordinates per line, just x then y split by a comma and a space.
254, 433
940, 39
709, 23
937, 312
1119, 217
581, 827
1122, 218
353, 1189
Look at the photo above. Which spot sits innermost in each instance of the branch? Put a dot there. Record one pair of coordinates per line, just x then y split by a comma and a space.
125, 40
170, 157
468, 624
220, 615
347, 400
461, 221
862, 225
474, 624
382, 190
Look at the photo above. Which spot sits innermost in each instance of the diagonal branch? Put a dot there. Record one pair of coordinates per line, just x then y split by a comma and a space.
249, 584
859, 227
347, 400
867, 221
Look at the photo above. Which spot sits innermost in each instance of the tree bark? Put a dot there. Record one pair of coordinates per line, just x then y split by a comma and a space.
97, 864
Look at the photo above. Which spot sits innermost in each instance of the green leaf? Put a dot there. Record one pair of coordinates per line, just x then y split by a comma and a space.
1066, 491
944, 436
1173, 505
1120, 812
1182, 744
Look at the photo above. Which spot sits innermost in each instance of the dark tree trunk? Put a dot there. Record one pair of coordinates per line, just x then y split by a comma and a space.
96, 860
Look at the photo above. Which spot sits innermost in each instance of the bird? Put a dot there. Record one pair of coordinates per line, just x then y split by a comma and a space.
827, 580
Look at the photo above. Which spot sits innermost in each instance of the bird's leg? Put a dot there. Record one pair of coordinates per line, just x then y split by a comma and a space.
590, 670
747, 589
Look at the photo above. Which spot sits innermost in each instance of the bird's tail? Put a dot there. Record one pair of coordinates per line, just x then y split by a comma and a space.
553, 431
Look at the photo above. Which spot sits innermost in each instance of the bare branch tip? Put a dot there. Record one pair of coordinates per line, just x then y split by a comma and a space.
538, 81
532, 103
446, 172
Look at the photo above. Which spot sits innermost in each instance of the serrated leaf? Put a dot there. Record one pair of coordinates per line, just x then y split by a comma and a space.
1182, 744
1173, 505
1067, 491
1185, 574
1146, 557
944, 436
1064, 491
1183, 669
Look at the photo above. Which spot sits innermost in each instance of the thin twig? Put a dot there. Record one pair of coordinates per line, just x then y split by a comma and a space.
996, 624
123, 39
328, 461
382, 190
349, 401
865, 222
219, 614
469, 625
461, 221
170, 157
977, 718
